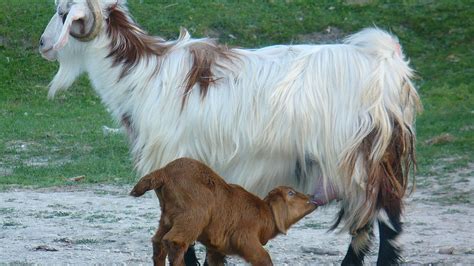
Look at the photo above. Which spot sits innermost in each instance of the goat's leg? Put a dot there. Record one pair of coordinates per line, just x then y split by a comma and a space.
389, 230
254, 253
159, 251
359, 247
176, 251
181, 236
215, 258
260, 257
190, 258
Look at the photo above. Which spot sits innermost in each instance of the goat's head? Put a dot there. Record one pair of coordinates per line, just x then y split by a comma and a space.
76, 26
82, 19
288, 206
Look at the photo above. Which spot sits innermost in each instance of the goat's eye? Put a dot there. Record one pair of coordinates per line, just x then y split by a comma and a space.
64, 16
291, 193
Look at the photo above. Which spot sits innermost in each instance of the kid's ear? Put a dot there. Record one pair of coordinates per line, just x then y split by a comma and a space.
279, 210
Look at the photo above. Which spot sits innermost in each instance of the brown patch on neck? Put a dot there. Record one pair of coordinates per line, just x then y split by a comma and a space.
129, 44
205, 56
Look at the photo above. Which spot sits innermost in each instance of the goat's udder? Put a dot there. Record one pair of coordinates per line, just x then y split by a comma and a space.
322, 196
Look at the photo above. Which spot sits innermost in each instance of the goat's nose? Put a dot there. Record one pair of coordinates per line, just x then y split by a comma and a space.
41, 42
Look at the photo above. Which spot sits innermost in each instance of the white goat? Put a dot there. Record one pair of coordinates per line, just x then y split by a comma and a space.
333, 120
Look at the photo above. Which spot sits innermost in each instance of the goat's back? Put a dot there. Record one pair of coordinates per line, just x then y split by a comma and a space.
189, 185
189, 182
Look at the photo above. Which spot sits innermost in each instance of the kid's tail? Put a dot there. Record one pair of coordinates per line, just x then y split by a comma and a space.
153, 180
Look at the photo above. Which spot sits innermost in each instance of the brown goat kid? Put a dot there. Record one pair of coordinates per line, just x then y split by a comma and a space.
197, 204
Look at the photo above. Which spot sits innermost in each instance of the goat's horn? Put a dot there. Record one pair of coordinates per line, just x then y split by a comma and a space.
96, 23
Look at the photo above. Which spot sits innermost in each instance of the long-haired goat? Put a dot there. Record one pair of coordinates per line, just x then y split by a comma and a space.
332, 120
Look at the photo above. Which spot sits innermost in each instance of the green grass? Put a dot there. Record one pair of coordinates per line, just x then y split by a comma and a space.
43, 142
4, 211
315, 225
52, 214
103, 218
86, 241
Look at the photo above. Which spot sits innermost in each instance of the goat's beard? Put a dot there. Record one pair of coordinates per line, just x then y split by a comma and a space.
70, 67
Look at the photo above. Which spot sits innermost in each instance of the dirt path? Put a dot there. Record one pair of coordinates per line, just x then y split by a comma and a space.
103, 224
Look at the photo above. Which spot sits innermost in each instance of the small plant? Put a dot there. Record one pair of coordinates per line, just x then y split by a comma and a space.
4, 211
11, 223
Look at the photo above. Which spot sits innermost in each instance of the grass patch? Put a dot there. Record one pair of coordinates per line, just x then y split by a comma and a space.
4, 211
454, 199
107, 192
421, 223
59, 206
44, 142
52, 214
102, 218
315, 226
134, 229
453, 211
86, 241
21, 263
150, 215
11, 223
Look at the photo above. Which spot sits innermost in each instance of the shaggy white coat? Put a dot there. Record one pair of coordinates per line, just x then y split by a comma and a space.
269, 108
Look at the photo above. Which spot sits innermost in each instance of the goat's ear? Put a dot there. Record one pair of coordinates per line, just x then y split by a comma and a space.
76, 12
280, 210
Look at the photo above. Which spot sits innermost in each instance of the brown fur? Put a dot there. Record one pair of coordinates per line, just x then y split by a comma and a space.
197, 204
387, 178
390, 176
204, 57
129, 42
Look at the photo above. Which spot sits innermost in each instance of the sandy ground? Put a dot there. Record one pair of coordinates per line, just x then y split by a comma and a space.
102, 224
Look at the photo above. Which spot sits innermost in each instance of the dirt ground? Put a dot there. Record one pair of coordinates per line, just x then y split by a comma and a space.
102, 224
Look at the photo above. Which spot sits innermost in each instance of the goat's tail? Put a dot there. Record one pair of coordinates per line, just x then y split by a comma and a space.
153, 180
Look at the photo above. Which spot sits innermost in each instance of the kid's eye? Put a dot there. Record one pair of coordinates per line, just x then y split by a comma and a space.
291, 193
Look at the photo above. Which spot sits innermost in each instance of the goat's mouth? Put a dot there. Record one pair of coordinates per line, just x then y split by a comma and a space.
314, 200
312, 207
48, 54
